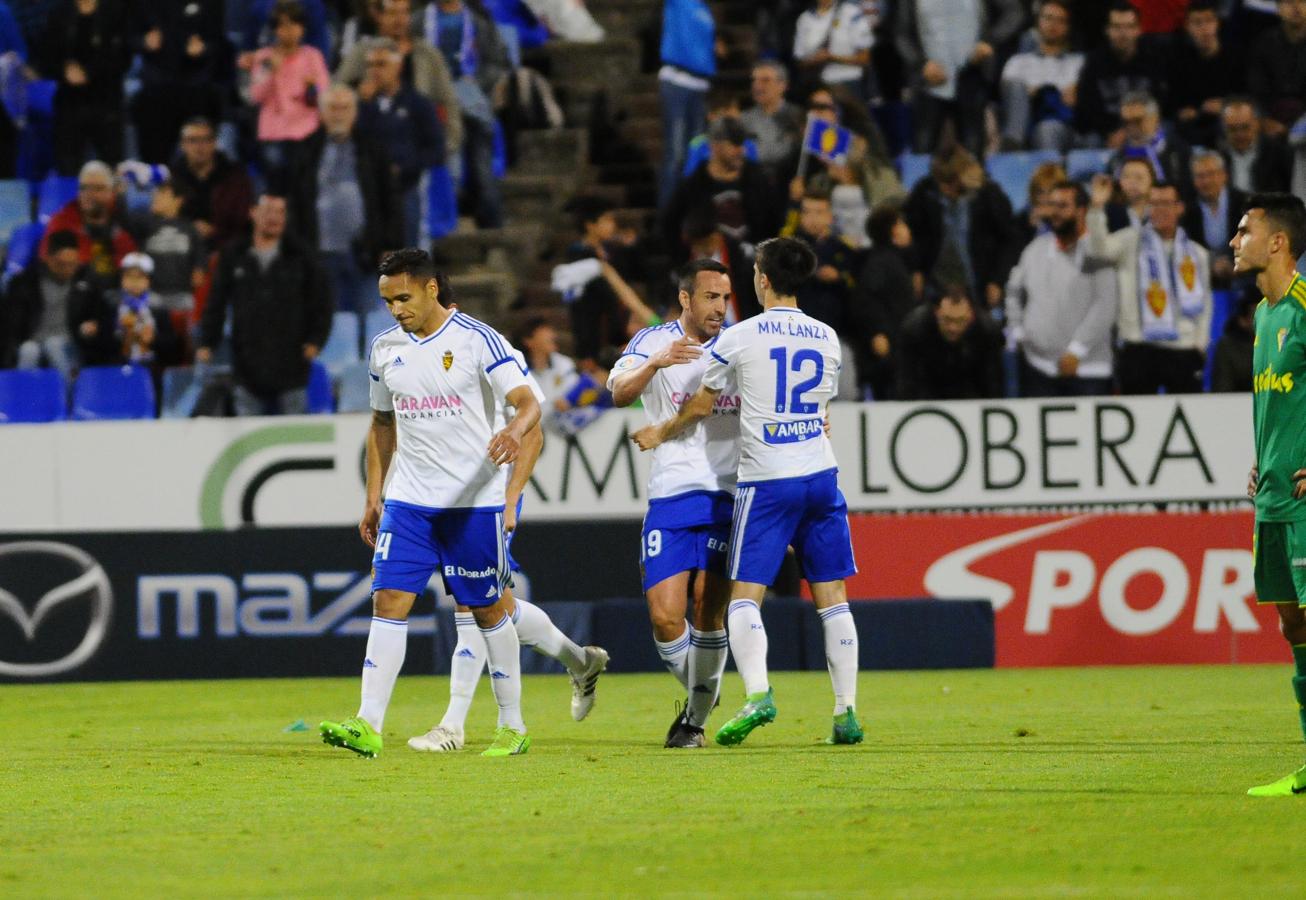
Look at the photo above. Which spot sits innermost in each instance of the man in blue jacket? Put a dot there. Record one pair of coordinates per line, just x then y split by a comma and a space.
689, 50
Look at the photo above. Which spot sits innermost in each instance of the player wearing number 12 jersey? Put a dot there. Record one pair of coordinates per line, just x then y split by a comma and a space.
691, 490
785, 366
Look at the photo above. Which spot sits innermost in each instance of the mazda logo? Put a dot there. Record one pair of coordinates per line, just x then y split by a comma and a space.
91, 582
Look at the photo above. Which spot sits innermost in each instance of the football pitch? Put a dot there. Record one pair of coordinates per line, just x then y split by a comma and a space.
1034, 783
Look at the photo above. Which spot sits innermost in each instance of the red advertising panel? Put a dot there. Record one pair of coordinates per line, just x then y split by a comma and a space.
1090, 589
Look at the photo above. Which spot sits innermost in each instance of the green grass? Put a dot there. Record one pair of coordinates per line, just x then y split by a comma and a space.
1074, 782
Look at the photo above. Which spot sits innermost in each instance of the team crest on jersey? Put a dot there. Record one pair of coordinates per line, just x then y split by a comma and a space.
447, 360
1282, 336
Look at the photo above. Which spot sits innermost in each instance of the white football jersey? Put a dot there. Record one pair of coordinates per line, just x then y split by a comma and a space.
446, 392
785, 366
703, 458
501, 417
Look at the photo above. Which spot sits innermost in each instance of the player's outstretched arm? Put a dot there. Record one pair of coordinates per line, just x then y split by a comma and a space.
527, 456
627, 386
696, 408
506, 445
381, 441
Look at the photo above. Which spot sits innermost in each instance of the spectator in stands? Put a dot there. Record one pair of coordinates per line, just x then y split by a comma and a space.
1146, 138
949, 351
962, 226
1038, 86
218, 191
85, 50
348, 200
363, 23
949, 53
689, 52
598, 318
1033, 220
1276, 76
825, 295
478, 61
281, 307
39, 305
1136, 177
13, 59
405, 124
883, 295
1123, 66
184, 62
1061, 306
704, 240
174, 247
1164, 282
1212, 217
867, 165
1257, 160
1231, 365
746, 207
555, 372
832, 43
286, 80
722, 103
423, 69
256, 26
776, 124
1204, 70
96, 219
129, 325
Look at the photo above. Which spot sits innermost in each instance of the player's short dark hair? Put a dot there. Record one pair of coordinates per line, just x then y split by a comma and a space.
292, 10
63, 239
1081, 195
410, 261
687, 277
1123, 6
879, 224
1286, 213
786, 263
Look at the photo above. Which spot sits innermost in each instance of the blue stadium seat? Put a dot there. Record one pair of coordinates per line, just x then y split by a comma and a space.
15, 207
441, 203
321, 400
342, 346
912, 167
32, 395
23, 244
355, 388
54, 194
180, 391
113, 392
1082, 165
377, 321
1012, 171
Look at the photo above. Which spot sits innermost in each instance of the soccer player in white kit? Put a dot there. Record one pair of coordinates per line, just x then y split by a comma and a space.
785, 365
691, 492
437, 380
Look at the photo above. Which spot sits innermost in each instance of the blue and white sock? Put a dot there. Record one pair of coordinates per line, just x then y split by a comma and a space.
748, 645
675, 655
387, 641
464, 671
841, 654
707, 660
536, 629
504, 652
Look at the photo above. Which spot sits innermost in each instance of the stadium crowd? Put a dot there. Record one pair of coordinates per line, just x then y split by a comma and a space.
240, 167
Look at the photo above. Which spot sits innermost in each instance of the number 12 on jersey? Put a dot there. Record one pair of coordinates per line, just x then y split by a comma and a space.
783, 366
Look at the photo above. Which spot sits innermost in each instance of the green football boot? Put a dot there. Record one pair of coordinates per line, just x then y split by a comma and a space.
352, 734
847, 730
759, 710
1284, 787
508, 742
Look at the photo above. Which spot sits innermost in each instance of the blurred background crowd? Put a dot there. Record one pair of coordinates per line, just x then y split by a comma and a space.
1005, 197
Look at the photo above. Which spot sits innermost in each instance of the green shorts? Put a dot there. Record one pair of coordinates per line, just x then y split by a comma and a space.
1279, 562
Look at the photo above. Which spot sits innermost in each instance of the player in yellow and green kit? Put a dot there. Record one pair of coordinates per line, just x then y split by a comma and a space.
1270, 237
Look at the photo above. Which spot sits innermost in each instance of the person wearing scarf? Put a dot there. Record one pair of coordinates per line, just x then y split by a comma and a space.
136, 324
1164, 281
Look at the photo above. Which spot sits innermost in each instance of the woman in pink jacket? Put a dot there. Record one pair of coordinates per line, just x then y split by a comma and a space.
286, 80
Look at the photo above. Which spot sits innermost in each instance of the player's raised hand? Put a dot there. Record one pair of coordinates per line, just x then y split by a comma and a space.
648, 438
1252, 477
368, 524
681, 351
503, 448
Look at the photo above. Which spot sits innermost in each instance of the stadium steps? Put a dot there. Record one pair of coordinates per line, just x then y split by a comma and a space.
529, 197
516, 246
485, 295
606, 62
544, 150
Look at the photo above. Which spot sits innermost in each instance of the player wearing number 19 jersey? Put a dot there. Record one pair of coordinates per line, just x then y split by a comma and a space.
785, 366
1269, 239
691, 490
